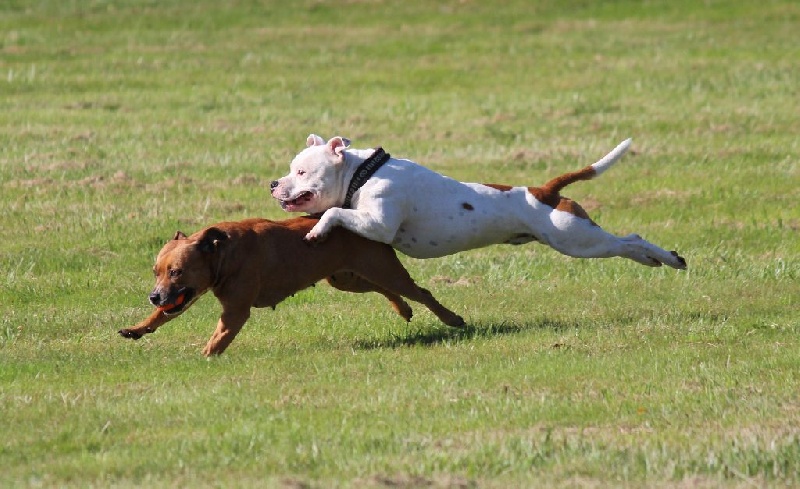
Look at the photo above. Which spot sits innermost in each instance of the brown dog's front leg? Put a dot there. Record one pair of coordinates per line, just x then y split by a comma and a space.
149, 325
230, 322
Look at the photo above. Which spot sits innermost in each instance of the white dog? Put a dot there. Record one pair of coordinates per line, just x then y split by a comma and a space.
426, 215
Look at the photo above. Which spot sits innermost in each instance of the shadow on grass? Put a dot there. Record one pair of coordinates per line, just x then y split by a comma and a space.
441, 335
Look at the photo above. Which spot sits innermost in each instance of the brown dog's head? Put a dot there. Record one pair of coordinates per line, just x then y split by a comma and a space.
184, 269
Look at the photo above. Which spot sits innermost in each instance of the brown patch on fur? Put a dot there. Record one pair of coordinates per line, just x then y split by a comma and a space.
549, 193
569, 205
497, 186
555, 200
555, 185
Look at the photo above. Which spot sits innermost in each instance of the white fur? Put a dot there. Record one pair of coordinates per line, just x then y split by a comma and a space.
425, 214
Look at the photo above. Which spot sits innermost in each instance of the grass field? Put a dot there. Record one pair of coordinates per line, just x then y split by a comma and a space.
122, 121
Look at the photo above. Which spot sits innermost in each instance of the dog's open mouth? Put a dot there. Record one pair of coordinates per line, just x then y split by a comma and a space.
182, 299
299, 201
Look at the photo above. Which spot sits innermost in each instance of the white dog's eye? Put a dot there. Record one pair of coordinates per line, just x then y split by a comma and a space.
300, 173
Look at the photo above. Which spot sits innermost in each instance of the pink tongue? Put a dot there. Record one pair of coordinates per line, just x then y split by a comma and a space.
301, 199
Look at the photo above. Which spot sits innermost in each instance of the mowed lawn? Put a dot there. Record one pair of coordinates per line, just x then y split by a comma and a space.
122, 121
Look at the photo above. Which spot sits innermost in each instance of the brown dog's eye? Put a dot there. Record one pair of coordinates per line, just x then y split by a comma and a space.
175, 272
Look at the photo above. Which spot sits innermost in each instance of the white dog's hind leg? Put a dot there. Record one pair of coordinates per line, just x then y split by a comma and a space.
588, 240
646, 253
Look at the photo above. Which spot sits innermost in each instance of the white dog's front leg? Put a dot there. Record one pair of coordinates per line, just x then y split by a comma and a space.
327, 222
380, 228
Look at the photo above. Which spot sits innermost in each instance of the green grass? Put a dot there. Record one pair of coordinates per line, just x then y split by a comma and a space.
122, 121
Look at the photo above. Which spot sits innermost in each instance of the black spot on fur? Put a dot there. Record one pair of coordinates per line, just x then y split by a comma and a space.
467, 206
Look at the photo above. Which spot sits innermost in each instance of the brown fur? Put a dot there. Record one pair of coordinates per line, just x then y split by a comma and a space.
258, 263
549, 193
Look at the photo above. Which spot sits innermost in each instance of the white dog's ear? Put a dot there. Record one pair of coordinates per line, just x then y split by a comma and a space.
314, 140
337, 145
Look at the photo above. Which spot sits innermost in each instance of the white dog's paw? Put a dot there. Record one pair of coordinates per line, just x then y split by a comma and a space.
312, 238
316, 235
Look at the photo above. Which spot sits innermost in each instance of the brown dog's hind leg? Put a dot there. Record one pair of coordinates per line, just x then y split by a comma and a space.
447, 316
149, 325
384, 269
350, 282
228, 326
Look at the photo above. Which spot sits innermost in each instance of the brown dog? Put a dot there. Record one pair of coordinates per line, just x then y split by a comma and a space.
259, 263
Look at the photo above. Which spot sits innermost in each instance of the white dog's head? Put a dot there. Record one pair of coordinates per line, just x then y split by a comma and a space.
315, 182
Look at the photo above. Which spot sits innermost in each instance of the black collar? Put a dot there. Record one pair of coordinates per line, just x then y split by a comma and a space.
364, 171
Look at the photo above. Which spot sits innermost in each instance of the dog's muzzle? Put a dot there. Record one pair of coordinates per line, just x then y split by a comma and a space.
173, 303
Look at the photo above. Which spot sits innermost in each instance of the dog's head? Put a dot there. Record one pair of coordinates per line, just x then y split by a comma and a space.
184, 269
315, 182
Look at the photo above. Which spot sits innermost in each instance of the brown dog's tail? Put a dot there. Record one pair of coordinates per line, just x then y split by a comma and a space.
555, 185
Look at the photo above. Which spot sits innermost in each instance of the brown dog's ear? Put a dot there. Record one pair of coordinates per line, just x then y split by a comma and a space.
179, 235
210, 239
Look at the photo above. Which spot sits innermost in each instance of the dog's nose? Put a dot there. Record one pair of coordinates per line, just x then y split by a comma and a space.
154, 298
273, 184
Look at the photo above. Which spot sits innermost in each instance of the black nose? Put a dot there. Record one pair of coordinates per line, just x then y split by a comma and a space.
155, 298
273, 184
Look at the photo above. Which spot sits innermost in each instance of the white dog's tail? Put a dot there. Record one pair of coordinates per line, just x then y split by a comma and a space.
612, 157
555, 185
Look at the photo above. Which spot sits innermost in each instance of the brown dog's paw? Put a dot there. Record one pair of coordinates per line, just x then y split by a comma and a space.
402, 308
129, 333
458, 322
